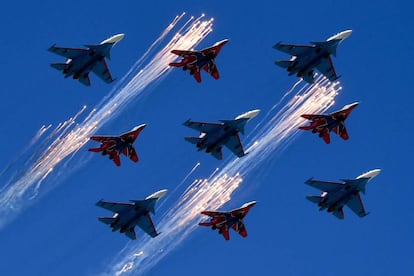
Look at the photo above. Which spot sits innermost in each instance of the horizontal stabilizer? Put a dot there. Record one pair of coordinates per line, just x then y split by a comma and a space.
96, 149
314, 199
193, 140
284, 63
60, 66
107, 220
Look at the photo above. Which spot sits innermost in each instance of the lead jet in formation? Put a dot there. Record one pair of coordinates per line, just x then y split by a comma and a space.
337, 194
324, 123
223, 221
194, 61
80, 61
115, 145
128, 215
213, 136
306, 58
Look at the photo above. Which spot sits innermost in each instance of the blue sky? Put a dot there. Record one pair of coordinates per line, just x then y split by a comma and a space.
58, 233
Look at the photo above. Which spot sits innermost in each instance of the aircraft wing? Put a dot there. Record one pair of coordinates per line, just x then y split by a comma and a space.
131, 154
240, 228
67, 52
102, 71
103, 139
324, 186
146, 224
292, 49
212, 213
355, 204
234, 144
314, 117
183, 53
85, 80
130, 233
326, 68
339, 213
114, 206
340, 129
212, 70
203, 127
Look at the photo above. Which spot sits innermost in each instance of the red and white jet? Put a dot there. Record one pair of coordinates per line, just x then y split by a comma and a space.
114, 145
194, 61
324, 123
223, 221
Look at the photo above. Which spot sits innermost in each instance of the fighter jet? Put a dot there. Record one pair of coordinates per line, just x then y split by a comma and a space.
324, 123
114, 145
306, 58
127, 215
337, 194
214, 135
80, 61
195, 60
223, 221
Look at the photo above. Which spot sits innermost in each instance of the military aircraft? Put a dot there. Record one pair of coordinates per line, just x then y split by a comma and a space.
324, 123
214, 135
80, 61
197, 60
223, 221
337, 194
114, 145
306, 58
127, 215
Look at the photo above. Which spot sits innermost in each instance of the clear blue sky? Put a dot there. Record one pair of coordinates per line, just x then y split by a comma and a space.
58, 234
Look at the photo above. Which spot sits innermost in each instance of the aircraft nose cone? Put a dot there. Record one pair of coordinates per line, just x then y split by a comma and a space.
158, 194
114, 39
373, 173
249, 204
222, 42
341, 36
249, 115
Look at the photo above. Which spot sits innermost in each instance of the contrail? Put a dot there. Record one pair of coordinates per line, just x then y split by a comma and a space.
276, 133
68, 137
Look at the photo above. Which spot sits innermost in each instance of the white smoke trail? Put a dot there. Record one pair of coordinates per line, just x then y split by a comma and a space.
69, 136
181, 220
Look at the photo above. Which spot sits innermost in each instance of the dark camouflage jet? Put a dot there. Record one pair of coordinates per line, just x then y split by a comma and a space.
213, 136
127, 215
335, 195
80, 61
305, 59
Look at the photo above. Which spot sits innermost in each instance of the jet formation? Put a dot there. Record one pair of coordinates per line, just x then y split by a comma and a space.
305, 59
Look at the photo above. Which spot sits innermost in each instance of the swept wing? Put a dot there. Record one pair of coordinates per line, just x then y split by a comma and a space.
67, 52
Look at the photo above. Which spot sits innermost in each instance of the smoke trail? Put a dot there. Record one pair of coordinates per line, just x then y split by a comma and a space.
278, 132
70, 136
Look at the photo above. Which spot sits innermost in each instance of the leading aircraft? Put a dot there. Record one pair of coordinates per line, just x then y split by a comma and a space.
337, 194
324, 123
80, 61
306, 58
223, 221
115, 145
194, 61
213, 136
127, 215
